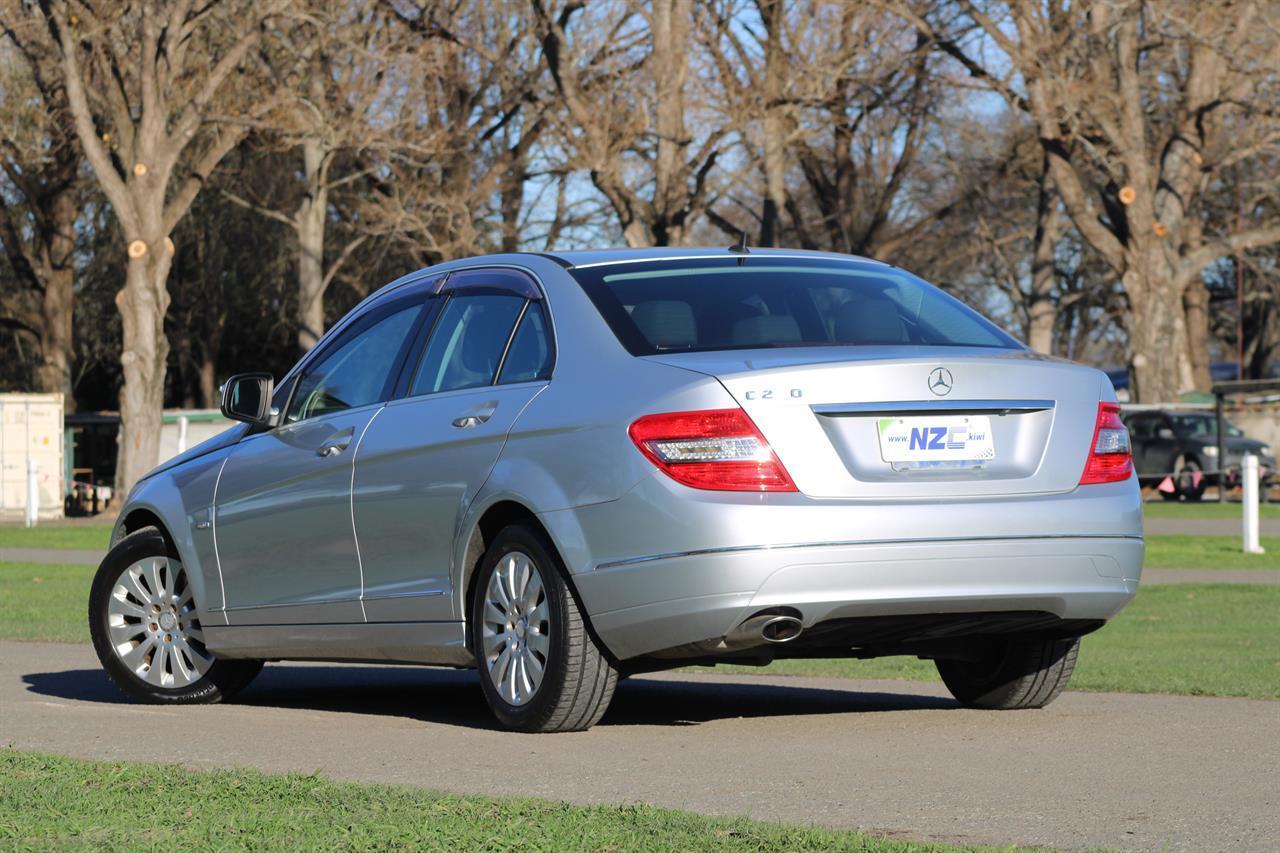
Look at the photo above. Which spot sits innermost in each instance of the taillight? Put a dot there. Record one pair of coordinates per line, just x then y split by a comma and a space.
717, 449
1110, 458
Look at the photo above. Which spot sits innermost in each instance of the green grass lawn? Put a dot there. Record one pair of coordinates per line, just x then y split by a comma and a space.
1181, 551
1196, 639
47, 802
44, 602
1203, 509
75, 538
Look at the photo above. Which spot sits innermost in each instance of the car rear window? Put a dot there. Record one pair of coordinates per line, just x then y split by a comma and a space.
747, 303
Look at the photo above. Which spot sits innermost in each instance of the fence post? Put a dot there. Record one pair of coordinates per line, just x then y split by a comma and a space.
33, 493
1249, 468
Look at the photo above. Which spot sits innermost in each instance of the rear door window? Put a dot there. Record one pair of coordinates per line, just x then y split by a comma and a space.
467, 342
529, 357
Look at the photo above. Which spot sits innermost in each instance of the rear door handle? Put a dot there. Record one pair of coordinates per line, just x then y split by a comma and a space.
476, 416
469, 421
333, 446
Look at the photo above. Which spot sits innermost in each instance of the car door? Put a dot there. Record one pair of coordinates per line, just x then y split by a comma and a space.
1163, 447
1141, 431
425, 457
283, 529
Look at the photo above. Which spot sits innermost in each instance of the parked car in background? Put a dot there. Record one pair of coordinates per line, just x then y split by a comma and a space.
1183, 446
563, 469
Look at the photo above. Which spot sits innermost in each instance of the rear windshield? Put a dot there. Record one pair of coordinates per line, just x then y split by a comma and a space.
747, 303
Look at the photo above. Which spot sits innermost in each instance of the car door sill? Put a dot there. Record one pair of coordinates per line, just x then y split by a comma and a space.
290, 613
437, 643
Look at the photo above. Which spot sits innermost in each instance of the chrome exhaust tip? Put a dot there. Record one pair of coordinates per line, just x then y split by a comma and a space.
781, 629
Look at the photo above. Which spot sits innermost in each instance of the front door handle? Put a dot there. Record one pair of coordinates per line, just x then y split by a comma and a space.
333, 446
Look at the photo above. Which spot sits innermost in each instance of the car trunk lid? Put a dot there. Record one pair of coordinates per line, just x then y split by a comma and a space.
914, 423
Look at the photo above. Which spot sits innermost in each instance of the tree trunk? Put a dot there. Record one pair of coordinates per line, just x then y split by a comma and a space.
1159, 335
775, 191
310, 225
637, 236
208, 380
143, 303
1195, 302
512, 200
670, 57
53, 374
1042, 311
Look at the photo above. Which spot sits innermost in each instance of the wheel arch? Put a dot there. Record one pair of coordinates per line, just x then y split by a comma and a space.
140, 518
500, 514
483, 530
180, 508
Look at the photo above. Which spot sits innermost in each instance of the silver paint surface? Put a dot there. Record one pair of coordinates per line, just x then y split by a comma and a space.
366, 555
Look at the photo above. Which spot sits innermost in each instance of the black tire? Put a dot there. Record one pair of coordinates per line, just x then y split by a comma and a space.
224, 678
1020, 672
578, 679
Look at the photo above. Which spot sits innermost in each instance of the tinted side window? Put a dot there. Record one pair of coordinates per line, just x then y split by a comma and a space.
529, 358
467, 343
1140, 427
357, 370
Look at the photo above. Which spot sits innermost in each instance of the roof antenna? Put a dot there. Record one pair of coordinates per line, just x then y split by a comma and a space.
740, 247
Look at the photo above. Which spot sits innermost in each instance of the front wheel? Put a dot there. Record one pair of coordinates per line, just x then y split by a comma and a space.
1019, 672
540, 668
145, 629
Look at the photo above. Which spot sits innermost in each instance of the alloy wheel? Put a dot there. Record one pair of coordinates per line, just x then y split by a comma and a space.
152, 624
515, 628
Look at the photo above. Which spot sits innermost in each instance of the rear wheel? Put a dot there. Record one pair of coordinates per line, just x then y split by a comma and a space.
145, 629
540, 668
1019, 672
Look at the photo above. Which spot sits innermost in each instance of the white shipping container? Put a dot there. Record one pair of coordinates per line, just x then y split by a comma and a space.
31, 429
202, 424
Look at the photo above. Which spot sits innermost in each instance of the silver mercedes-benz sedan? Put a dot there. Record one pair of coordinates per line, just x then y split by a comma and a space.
565, 468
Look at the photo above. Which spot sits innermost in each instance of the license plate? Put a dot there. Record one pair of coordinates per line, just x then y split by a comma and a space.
924, 441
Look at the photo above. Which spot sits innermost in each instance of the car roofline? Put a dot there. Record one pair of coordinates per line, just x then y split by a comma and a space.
586, 259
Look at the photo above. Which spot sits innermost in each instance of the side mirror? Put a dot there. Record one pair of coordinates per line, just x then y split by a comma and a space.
247, 397
1165, 433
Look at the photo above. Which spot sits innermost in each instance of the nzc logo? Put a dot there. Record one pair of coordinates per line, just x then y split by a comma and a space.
929, 438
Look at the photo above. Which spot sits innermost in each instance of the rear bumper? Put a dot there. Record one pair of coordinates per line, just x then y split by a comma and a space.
1074, 578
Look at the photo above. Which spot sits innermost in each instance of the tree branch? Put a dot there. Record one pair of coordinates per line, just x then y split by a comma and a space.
113, 185
1195, 262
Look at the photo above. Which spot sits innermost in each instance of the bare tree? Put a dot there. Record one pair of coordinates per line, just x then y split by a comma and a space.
42, 193
838, 103
624, 78
462, 118
1139, 105
1014, 226
148, 88
335, 59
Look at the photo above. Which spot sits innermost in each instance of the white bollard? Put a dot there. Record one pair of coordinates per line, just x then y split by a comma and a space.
182, 433
33, 493
1249, 470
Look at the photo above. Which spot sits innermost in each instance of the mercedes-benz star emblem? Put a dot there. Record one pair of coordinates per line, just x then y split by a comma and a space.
940, 381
